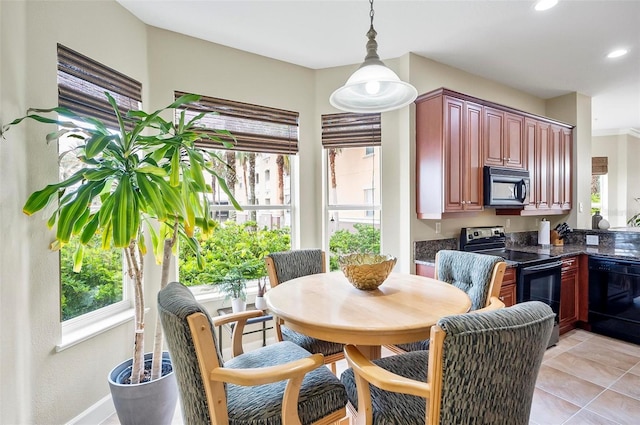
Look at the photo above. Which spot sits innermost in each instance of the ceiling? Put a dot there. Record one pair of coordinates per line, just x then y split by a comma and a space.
546, 54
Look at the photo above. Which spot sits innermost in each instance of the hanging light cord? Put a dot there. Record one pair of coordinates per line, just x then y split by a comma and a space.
372, 44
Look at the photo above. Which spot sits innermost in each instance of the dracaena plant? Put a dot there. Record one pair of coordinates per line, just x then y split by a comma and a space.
634, 221
151, 172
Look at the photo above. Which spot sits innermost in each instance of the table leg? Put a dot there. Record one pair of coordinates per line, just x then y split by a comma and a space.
372, 352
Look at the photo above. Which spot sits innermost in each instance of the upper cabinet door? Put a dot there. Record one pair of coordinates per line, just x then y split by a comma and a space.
504, 141
514, 146
493, 137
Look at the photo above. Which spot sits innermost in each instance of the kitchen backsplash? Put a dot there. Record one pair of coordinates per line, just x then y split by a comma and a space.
426, 250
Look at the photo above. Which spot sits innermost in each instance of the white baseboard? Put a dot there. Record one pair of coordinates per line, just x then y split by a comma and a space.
95, 414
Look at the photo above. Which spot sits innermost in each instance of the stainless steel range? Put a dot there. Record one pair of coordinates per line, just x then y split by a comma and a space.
538, 276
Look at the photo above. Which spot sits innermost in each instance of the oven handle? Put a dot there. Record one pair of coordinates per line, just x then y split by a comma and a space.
542, 267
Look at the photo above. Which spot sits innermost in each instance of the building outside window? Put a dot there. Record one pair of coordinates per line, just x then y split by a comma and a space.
352, 155
265, 141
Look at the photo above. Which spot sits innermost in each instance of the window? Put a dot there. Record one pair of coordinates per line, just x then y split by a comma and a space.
99, 285
599, 170
266, 142
352, 153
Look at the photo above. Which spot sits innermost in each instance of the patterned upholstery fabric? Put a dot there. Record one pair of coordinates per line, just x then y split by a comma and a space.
321, 392
175, 304
468, 271
490, 365
297, 263
411, 365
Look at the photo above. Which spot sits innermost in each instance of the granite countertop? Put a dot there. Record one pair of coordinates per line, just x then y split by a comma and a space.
565, 251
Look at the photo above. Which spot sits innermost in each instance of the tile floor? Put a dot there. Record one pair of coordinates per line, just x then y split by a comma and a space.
587, 379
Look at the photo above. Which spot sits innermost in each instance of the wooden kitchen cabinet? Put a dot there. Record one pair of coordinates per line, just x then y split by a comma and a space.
426, 270
549, 162
569, 294
508, 288
457, 134
503, 139
448, 155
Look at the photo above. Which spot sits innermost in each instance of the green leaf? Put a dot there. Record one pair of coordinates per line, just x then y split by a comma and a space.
96, 144
123, 215
72, 211
41, 198
77, 258
174, 172
98, 174
151, 194
106, 210
150, 169
170, 195
90, 229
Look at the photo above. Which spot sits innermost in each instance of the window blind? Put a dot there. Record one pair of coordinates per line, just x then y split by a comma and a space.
82, 82
256, 128
351, 130
599, 165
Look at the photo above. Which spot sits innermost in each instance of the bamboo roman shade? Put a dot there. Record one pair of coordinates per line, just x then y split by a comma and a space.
351, 130
599, 165
82, 82
255, 128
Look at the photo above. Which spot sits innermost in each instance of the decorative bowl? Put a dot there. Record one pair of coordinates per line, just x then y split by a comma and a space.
366, 271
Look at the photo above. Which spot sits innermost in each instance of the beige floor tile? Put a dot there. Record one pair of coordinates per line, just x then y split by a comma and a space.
635, 370
629, 385
604, 354
616, 344
565, 343
578, 334
586, 369
616, 407
585, 417
567, 386
548, 409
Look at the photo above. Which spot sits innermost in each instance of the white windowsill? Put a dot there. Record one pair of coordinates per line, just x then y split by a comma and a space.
69, 339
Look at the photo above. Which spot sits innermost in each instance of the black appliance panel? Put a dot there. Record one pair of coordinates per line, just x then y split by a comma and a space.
614, 298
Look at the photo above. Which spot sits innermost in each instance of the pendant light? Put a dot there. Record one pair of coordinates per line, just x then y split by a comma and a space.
373, 87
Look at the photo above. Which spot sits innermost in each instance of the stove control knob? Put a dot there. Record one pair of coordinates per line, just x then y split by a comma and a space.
475, 233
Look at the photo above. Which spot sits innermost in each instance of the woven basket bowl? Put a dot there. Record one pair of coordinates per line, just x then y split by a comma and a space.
366, 271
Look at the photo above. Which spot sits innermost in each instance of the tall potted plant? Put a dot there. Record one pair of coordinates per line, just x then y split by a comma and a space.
152, 172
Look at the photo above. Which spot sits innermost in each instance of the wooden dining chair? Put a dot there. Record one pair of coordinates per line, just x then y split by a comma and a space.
479, 275
279, 383
287, 265
481, 369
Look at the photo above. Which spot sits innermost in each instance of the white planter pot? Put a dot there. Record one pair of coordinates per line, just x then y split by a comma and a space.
238, 305
261, 303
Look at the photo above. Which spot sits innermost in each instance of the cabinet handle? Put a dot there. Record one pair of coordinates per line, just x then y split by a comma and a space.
501, 298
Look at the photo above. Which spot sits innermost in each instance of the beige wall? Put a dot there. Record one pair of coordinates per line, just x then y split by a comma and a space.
39, 385
42, 386
623, 151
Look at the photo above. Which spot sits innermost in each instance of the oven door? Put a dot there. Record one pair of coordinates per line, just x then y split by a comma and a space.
542, 282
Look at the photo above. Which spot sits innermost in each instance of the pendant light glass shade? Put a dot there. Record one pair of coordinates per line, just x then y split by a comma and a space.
373, 87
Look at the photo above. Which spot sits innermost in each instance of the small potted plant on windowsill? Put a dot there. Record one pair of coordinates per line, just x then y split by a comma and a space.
234, 286
261, 303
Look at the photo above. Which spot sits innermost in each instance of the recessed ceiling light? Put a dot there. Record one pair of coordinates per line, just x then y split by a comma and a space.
617, 53
545, 4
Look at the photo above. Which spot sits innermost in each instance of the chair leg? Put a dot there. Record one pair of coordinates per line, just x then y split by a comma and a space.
333, 368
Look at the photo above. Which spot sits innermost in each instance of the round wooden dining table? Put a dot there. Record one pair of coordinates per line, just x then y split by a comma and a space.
403, 309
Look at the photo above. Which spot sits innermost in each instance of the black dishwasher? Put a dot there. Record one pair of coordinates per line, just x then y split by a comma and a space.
614, 298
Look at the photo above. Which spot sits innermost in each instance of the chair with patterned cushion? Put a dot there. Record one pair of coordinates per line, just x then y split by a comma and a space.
279, 383
481, 369
479, 275
287, 265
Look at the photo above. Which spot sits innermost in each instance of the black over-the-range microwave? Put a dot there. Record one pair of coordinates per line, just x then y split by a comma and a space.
505, 187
